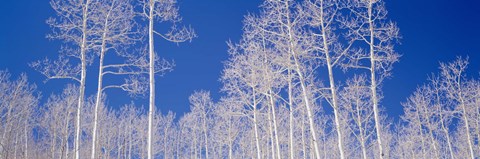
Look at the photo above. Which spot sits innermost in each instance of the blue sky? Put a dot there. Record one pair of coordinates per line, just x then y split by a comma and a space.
432, 31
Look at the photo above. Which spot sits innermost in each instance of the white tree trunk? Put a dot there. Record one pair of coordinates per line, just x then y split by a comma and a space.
99, 86
205, 133
83, 76
66, 134
290, 103
97, 104
334, 97
361, 129
302, 82
332, 84
430, 132
152, 79
272, 104
257, 142
424, 153
26, 137
373, 86
467, 126
447, 136
272, 145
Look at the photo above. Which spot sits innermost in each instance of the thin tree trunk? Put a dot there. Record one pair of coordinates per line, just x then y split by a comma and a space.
362, 134
277, 142
26, 137
467, 126
54, 144
257, 143
83, 51
130, 145
302, 83
332, 83
230, 144
424, 153
373, 79
97, 102
100, 82
152, 79
205, 133
432, 138
303, 135
15, 147
447, 135
444, 128
272, 146
290, 103
165, 142
65, 137
195, 141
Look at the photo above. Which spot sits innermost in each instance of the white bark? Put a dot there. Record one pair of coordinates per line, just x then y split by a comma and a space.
83, 77
290, 103
302, 82
257, 142
98, 98
466, 124
151, 53
373, 81
205, 133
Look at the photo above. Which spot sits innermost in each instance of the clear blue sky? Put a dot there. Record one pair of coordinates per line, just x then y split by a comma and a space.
432, 31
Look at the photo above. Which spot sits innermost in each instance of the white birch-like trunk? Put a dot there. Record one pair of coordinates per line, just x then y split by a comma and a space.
54, 143
424, 153
100, 83
97, 102
195, 141
430, 132
467, 126
361, 129
302, 84
257, 142
165, 131
272, 104
83, 76
230, 142
272, 145
334, 97
373, 86
151, 79
332, 83
205, 133
16, 146
302, 130
26, 137
447, 136
65, 137
290, 103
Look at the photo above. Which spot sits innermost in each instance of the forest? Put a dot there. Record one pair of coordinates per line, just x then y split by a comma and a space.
273, 103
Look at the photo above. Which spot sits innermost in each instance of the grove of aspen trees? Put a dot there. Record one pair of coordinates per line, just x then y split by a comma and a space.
273, 104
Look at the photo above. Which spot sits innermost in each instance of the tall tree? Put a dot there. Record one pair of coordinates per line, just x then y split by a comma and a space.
115, 30
460, 91
72, 25
162, 11
286, 28
242, 79
370, 25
